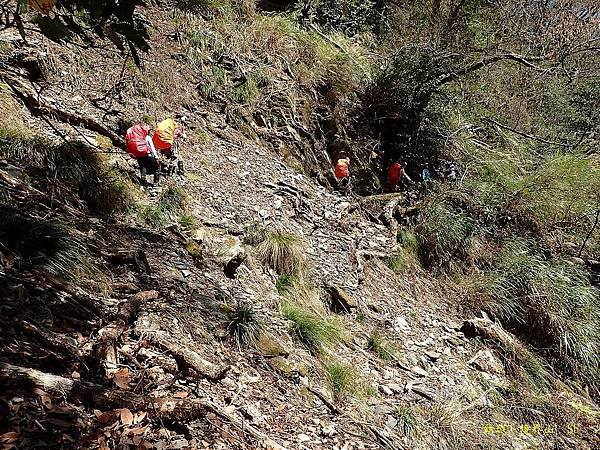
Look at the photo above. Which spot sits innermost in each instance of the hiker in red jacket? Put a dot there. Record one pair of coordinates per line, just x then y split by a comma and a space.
397, 175
140, 146
342, 173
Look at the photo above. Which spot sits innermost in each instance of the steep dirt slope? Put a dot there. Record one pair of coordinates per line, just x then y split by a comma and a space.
149, 329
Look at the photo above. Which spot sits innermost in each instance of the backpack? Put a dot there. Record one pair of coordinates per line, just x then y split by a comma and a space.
136, 140
164, 136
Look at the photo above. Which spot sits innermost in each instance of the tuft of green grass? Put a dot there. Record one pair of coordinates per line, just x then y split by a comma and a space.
310, 329
535, 373
380, 347
245, 91
46, 243
69, 169
342, 378
407, 420
397, 263
188, 221
551, 301
444, 234
244, 325
361, 317
285, 284
283, 252
407, 239
153, 215
173, 200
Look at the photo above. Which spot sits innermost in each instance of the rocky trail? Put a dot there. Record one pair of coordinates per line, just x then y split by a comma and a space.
165, 374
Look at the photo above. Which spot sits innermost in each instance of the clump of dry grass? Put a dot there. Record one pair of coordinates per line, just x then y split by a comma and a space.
283, 252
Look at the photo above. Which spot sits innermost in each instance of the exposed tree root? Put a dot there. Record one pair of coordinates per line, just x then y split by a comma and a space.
37, 106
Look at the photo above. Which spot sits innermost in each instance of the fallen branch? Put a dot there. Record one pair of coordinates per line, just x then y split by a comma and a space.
34, 103
526, 135
87, 393
101, 397
188, 359
105, 346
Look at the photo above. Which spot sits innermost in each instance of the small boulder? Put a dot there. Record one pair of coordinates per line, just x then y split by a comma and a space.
434, 356
386, 390
419, 371
401, 325
271, 346
485, 361
341, 300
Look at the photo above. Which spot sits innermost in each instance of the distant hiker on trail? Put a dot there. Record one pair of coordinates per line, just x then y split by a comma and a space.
397, 175
342, 172
140, 146
165, 140
426, 175
451, 171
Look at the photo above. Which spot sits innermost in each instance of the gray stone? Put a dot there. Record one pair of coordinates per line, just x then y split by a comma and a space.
341, 300
328, 430
424, 392
485, 361
401, 325
395, 388
386, 390
391, 423
303, 437
434, 356
419, 371
383, 409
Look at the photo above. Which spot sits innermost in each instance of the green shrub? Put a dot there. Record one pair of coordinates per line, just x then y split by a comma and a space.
244, 325
310, 329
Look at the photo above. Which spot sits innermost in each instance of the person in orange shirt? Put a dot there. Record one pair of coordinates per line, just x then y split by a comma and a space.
342, 169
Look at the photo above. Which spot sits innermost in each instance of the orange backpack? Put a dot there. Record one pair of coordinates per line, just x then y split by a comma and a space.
164, 136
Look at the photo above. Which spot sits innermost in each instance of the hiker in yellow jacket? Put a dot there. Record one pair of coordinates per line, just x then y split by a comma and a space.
165, 140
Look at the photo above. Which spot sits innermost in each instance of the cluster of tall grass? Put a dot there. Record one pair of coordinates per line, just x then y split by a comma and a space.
46, 243
316, 62
70, 170
550, 302
310, 328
